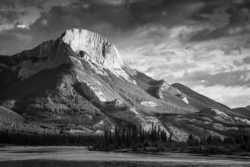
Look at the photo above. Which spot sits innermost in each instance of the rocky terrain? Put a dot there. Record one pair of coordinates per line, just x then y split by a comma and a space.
78, 83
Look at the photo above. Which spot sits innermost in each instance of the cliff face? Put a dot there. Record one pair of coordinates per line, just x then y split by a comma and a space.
97, 51
93, 46
79, 82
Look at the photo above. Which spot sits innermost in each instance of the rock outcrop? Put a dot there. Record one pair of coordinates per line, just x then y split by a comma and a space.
94, 47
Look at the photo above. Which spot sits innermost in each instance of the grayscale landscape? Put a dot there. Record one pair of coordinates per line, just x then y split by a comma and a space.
124, 83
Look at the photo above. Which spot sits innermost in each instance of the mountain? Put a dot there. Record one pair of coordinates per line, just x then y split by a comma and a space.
7, 116
243, 111
202, 102
78, 83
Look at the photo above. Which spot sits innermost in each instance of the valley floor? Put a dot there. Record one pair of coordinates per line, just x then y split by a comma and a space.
55, 156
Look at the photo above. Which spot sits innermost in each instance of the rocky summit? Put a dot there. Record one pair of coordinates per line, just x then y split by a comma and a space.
78, 83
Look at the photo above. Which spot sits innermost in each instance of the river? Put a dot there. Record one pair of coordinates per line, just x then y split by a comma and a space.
63, 156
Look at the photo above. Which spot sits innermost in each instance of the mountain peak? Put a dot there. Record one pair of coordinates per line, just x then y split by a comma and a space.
97, 51
73, 46
93, 46
78, 83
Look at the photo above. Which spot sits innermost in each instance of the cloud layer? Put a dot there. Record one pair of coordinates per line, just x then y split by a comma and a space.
204, 44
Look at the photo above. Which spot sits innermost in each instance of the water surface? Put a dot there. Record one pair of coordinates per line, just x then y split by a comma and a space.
81, 157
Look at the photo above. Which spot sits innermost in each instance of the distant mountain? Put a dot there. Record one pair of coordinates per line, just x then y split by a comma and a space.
243, 111
78, 83
7, 116
201, 102
248, 107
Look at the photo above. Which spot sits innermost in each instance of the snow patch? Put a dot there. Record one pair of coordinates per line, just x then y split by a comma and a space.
76, 131
99, 124
100, 95
185, 100
94, 89
222, 114
149, 103
99, 132
242, 120
134, 110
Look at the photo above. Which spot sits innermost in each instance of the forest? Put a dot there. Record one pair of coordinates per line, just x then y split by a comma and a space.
131, 139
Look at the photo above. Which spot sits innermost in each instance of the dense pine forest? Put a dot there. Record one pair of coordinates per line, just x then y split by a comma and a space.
130, 139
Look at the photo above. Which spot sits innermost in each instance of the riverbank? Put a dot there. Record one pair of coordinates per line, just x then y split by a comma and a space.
56, 155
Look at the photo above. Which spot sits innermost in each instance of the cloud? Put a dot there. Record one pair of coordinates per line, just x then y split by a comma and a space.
246, 60
169, 53
224, 18
23, 26
231, 96
12, 4
158, 49
15, 39
8, 17
19, 12
170, 46
109, 18
236, 78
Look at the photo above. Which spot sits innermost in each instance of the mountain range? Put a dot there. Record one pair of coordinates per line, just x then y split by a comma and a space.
78, 83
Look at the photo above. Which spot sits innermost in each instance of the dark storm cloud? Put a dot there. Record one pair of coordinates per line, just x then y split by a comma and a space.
33, 3
125, 14
15, 39
7, 4
11, 4
225, 17
95, 18
122, 14
10, 16
111, 18
11, 11
108, 18
239, 13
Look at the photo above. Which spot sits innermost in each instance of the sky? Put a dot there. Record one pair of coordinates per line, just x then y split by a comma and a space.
203, 44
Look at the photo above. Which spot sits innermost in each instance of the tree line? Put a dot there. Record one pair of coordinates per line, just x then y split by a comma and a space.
46, 139
130, 138
139, 139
